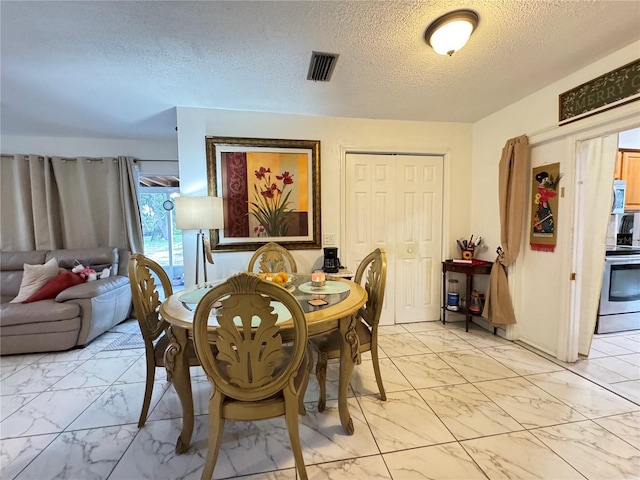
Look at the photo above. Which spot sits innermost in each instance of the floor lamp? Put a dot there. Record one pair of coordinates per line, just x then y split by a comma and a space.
200, 213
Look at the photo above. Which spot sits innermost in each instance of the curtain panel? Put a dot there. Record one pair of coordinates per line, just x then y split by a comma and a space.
55, 202
512, 200
598, 157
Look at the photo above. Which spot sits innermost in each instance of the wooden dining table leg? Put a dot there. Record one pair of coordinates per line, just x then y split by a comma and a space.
349, 348
177, 365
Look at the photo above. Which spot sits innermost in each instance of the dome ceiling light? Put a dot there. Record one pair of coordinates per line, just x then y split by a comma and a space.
450, 32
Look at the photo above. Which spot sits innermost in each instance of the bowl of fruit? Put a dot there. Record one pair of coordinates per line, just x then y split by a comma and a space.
282, 279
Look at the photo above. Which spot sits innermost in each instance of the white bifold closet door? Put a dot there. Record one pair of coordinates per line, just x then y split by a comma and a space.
395, 202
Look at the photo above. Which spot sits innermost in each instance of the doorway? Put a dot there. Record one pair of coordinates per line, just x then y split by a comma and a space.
162, 240
394, 201
588, 259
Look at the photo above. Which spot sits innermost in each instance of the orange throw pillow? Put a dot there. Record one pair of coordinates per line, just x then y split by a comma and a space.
53, 287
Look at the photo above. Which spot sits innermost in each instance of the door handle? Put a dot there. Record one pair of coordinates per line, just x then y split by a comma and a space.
409, 250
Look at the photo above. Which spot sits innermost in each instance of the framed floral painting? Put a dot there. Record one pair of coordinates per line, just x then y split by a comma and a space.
271, 191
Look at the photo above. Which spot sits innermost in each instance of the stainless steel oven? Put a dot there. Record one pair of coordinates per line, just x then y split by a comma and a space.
620, 298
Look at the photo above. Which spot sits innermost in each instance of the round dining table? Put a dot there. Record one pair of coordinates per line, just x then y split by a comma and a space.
343, 300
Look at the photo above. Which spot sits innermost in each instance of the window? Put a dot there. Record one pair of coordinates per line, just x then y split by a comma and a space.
162, 241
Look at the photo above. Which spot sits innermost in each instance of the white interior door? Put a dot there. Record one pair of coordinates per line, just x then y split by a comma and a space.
395, 202
370, 190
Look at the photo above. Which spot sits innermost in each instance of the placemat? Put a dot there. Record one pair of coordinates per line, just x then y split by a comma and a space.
278, 308
193, 296
329, 288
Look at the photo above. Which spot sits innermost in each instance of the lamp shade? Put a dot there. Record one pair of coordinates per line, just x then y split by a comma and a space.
199, 213
450, 33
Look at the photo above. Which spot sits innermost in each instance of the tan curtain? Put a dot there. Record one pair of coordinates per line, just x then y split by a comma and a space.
129, 182
29, 211
55, 202
512, 185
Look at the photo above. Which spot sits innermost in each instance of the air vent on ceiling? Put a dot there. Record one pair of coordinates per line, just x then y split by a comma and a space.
321, 66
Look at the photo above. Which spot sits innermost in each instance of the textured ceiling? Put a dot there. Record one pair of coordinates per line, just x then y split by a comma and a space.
117, 69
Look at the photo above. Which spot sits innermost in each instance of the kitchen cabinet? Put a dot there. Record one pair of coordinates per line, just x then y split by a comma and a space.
628, 169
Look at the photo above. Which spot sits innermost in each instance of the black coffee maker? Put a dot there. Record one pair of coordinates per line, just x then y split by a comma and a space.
331, 260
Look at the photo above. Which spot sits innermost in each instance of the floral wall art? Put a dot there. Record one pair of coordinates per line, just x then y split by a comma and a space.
271, 191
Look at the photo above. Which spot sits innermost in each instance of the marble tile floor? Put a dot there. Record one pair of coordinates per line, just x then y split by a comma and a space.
613, 362
460, 405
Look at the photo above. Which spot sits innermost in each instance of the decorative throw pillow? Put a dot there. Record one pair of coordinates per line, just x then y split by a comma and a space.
34, 277
53, 287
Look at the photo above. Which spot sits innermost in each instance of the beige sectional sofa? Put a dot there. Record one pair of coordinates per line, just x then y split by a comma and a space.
76, 315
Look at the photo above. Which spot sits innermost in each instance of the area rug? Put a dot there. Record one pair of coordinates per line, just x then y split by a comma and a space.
126, 342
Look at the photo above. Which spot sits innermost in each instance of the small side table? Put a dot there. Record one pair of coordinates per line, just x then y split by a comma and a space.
478, 267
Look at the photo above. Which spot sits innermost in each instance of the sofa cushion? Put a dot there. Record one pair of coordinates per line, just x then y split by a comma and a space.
39, 337
37, 312
15, 260
93, 289
123, 263
11, 264
97, 258
57, 284
34, 278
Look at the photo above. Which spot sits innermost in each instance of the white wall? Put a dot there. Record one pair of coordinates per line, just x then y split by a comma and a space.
158, 157
336, 135
539, 280
629, 139
162, 149
162, 167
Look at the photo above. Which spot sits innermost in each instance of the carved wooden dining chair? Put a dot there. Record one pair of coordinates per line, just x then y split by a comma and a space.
146, 304
257, 373
273, 258
374, 266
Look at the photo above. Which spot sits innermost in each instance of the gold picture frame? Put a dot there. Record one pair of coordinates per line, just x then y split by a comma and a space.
271, 191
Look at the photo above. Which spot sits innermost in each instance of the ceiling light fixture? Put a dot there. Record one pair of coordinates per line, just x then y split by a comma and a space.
450, 32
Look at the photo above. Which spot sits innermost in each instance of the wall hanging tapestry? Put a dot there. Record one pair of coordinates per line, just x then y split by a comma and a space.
544, 207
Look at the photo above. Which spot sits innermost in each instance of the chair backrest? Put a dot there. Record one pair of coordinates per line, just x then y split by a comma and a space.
146, 297
250, 364
273, 258
375, 267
